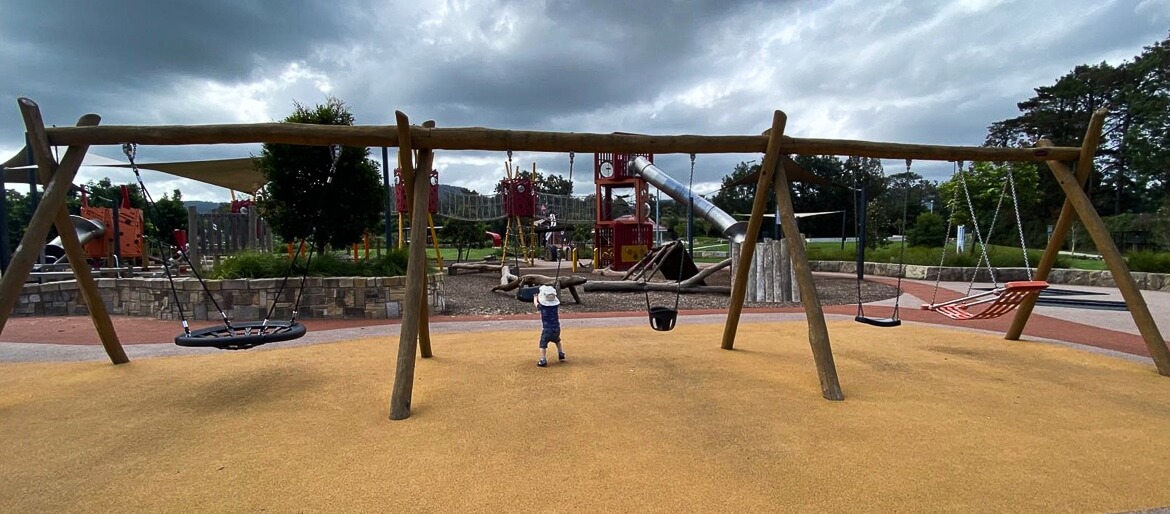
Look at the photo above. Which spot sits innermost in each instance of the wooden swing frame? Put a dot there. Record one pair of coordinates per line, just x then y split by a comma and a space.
417, 145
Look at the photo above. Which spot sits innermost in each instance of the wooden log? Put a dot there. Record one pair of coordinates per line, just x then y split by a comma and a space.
663, 253
818, 330
413, 297
541, 280
769, 278
702, 275
474, 267
1117, 267
36, 233
747, 248
422, 190
1063, 224
478, 138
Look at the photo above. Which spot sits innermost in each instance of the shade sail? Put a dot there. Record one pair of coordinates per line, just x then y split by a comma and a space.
234, 174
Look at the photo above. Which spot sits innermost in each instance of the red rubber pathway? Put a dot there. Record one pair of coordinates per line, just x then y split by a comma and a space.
78, 330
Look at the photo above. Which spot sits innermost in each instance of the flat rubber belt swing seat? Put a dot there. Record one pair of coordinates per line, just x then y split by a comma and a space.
1001, 301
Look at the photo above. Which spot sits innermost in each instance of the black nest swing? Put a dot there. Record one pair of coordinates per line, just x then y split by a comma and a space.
234, 335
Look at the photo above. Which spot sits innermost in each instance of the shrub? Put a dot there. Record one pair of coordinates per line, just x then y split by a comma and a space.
276, 265
250, 265
1148, 261
929, 230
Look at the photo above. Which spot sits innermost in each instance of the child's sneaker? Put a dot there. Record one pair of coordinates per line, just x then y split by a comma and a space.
561, 356
542, 363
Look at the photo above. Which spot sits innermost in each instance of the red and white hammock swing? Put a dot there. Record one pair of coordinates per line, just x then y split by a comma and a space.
998, 301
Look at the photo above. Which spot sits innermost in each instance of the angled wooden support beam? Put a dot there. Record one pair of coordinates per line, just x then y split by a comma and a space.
1063, 223
818, 330
748, 247
422, 193
1117, 267
58, 180
414, 296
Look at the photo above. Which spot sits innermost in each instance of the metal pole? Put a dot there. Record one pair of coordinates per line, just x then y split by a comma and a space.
117, 228
4, 256
33, 199
657, 218
842, 229
861, 235
386, 183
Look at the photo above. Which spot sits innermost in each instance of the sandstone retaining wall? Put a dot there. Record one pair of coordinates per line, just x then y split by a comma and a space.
335, 297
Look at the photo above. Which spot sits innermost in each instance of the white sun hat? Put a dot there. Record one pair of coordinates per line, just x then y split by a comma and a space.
548, 296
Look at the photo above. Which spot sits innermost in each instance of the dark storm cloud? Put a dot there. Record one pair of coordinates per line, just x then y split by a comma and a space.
906, 71
583, 56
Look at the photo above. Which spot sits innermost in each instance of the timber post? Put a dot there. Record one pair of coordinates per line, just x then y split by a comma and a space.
414, 296
421, 191
747, 248
51, 210
1063, 223
1113, 258
818, 330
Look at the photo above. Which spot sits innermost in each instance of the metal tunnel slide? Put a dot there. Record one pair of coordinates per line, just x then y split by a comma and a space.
732, 229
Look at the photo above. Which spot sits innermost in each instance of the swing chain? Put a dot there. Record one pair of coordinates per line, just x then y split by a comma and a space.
334, 156
947, 235
692, 179
1019, 222
978, 234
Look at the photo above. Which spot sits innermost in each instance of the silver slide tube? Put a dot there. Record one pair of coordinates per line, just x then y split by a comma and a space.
732, 229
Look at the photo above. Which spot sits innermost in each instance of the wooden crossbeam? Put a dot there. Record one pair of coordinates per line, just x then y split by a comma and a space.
489, 139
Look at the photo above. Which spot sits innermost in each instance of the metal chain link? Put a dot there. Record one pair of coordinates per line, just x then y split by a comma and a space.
950, 222
978, 235
571, 156
1019, 222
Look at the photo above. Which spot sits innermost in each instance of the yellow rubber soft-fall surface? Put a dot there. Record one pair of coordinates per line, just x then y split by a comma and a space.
636, 420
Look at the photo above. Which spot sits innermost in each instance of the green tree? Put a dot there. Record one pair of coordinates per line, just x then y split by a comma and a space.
555, 185
991, 201
19, 215
462, 234
736, 199
308, 196
1132, 161
929, 230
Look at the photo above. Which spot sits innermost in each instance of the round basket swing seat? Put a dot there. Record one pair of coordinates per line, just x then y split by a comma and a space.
242, 336
662, 318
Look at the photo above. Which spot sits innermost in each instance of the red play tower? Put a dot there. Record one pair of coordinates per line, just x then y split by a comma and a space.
623, 232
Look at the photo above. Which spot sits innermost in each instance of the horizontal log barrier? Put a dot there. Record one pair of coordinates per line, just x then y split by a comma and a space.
487, 139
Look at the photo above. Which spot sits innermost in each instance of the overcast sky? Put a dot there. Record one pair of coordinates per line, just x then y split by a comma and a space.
921, 71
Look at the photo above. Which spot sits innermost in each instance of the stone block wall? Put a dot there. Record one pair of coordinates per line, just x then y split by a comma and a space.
334, 297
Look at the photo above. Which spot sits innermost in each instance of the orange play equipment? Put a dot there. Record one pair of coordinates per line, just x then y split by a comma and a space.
123, 238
